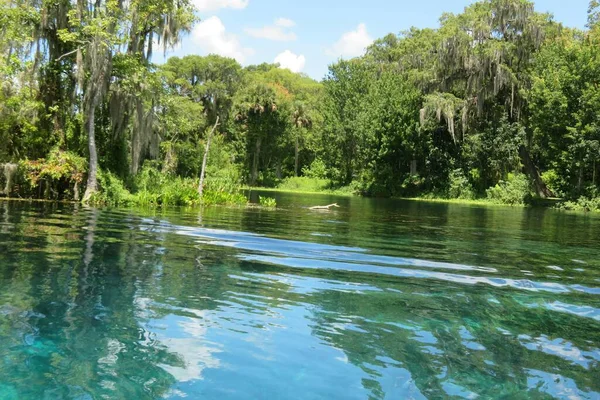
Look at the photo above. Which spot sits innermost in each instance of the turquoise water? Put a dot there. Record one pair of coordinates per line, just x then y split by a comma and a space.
378, 299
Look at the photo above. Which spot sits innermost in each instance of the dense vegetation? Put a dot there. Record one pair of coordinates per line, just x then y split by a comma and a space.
499, 102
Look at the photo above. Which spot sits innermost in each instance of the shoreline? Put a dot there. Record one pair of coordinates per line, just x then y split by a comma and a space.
540, 203
299, 191
549, 203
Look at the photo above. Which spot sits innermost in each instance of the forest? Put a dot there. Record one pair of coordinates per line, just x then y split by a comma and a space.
500, 102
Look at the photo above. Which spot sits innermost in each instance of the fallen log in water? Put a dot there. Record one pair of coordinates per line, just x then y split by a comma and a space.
327, 207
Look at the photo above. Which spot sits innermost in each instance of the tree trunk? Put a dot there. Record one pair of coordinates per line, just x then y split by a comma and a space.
534, 174
296, 157
76, 191
580, 179
136, 139
100, 60
255, 161
10, 170
413, 168
205, 159
92, 181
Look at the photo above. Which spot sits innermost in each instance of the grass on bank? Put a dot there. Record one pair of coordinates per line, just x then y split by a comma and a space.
306, 185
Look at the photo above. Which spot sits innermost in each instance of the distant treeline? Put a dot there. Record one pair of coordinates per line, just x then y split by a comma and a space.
500, 102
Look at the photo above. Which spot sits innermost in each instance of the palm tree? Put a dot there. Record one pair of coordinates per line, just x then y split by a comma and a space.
301, 120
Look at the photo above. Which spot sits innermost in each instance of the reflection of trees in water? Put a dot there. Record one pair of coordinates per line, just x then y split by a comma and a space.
77, 311
103, 303
454, 342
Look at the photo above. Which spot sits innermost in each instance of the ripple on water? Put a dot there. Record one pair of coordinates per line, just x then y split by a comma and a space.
408, 305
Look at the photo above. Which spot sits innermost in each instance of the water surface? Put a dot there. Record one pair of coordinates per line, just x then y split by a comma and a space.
378, 299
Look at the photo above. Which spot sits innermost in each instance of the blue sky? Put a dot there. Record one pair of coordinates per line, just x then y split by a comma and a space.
308, 35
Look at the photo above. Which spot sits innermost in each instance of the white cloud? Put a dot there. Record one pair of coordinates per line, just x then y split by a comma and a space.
284, 22
211, 36
213, 5
279, 31
351, 44
291, 61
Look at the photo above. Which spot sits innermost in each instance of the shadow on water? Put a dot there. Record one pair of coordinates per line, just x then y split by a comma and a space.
379, 299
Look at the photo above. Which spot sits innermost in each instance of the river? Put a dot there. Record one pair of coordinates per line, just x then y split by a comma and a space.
381, 299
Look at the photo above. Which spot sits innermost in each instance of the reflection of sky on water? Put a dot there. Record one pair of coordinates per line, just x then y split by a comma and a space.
156, 310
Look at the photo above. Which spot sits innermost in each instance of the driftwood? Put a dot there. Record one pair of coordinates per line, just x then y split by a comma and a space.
324, 207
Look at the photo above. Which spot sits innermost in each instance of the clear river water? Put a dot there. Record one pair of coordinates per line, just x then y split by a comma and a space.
377, 299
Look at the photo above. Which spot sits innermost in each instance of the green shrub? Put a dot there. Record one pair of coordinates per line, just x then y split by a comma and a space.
222, 186
59, 175
344, 190
460, 187
223, 180
268, 202
111, 191
555, 182
411, 185
155, 188
224, 198
581, 204
515, 190
304, 184
317, 170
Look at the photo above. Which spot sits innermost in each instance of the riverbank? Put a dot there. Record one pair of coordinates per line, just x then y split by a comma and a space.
582, 205
340, 193
266, 202
547, 203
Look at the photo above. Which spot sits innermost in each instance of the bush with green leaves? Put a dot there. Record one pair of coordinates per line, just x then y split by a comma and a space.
224, 198
111, 191
515, 190
303, 184
155, 188
555, 182
459, 186
317, 169
581, 204
267, 202
58, 176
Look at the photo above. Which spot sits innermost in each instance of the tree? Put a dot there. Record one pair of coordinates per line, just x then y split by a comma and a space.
262, 111
97, 30
302, 120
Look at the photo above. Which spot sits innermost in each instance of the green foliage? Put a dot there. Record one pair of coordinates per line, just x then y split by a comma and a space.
516, 190
304, 184
449, 112
223, 187
224, 198
581, 204
267, 202
154, 189
58, 177
460, 187
112, 192
59, 165
370, 124
316, 170
555, 181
